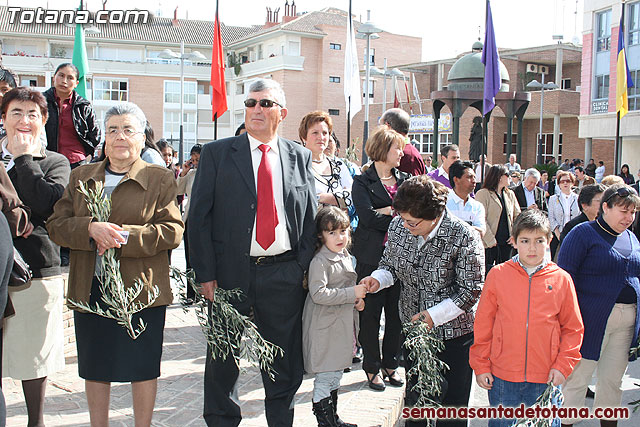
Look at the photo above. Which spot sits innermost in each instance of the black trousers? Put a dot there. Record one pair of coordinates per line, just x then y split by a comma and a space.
276, 296
191, 293
496, 255
370, 326
457, 380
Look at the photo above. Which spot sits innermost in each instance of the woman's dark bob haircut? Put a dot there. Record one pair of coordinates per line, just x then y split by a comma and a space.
421, 197
492, 179
619, 195
24, 94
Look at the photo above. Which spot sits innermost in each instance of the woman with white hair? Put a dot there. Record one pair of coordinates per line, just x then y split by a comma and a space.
144, 224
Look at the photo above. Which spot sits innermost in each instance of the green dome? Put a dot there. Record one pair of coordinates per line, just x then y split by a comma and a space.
469, 70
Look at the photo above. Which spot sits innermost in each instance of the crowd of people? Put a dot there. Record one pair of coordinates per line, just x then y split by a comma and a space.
320, 249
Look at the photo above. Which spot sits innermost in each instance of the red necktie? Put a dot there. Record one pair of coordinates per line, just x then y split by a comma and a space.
267, 216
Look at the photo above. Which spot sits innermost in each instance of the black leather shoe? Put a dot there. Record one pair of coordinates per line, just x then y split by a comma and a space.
375, 386
393, 378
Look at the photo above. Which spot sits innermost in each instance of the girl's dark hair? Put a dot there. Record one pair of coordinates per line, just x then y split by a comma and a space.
149, 137
330, 218
161, 144
70, 65
421, 197
492, 179
240, 129
336, 140
628, 170
7, 76
196, 149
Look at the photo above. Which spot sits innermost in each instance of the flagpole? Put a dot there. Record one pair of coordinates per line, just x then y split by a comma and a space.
618, 144
215, 116
484, 117
349, 124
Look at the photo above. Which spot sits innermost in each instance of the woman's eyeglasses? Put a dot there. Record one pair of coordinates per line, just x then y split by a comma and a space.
564, 181
413, 225
264, 103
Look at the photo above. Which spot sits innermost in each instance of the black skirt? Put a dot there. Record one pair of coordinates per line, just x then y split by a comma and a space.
107, 353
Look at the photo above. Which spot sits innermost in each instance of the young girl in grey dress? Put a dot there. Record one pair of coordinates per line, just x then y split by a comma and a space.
327, 320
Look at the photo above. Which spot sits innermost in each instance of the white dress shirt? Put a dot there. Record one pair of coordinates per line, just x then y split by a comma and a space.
440, 313
281, 243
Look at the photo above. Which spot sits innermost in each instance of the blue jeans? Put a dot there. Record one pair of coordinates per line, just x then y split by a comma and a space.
509, 394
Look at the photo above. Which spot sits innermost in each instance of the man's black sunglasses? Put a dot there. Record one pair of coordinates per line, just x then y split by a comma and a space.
264, 103
622, 192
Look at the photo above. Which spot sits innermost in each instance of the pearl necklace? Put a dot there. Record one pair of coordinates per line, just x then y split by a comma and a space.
319, 161
386, 177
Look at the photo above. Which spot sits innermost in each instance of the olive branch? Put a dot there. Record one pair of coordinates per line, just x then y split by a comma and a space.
119, 301
226, 331
423, 346
552, 395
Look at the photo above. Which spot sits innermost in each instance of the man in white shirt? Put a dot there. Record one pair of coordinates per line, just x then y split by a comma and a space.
459, 203
512, 165
427, 164
600, 172
251, 226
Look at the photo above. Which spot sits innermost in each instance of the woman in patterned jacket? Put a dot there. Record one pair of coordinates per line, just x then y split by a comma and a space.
438, 261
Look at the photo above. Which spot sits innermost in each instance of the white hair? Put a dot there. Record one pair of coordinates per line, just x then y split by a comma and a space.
272, 85
124, 108
532, 172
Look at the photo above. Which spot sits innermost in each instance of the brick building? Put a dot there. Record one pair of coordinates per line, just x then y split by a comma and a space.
303, 51
560, 63
599, 60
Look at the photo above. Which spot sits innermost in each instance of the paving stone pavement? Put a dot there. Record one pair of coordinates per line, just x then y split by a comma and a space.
180, 398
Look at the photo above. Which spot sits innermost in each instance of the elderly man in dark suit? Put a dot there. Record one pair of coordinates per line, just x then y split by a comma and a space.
528, 194
251, 226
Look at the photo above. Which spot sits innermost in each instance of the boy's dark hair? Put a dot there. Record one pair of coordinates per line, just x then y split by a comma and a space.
601, 162
330, 218
456, 170
531, 220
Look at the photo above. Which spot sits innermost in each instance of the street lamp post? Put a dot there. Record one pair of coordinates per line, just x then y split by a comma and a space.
534, 84
393, 73
195, 55
368, 31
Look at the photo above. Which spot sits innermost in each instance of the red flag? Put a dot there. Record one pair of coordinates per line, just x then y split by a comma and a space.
396, 101
406, 87
218, 87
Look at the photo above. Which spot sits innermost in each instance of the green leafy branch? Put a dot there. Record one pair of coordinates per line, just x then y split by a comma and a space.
552, 395
120, 302
423, 345
226, 330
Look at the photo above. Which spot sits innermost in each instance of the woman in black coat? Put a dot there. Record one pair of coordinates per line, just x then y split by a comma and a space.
372, 194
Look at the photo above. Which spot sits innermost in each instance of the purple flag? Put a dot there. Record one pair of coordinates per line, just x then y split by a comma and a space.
491, 65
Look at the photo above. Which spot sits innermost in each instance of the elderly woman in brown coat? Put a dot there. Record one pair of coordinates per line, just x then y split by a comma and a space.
144, 224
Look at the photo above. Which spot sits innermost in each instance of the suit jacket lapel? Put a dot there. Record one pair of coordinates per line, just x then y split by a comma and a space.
288, 162
241, 155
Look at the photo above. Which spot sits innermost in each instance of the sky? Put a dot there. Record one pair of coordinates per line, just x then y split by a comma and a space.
447, 27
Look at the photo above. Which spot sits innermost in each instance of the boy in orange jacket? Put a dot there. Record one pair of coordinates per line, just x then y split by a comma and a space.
528, 328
